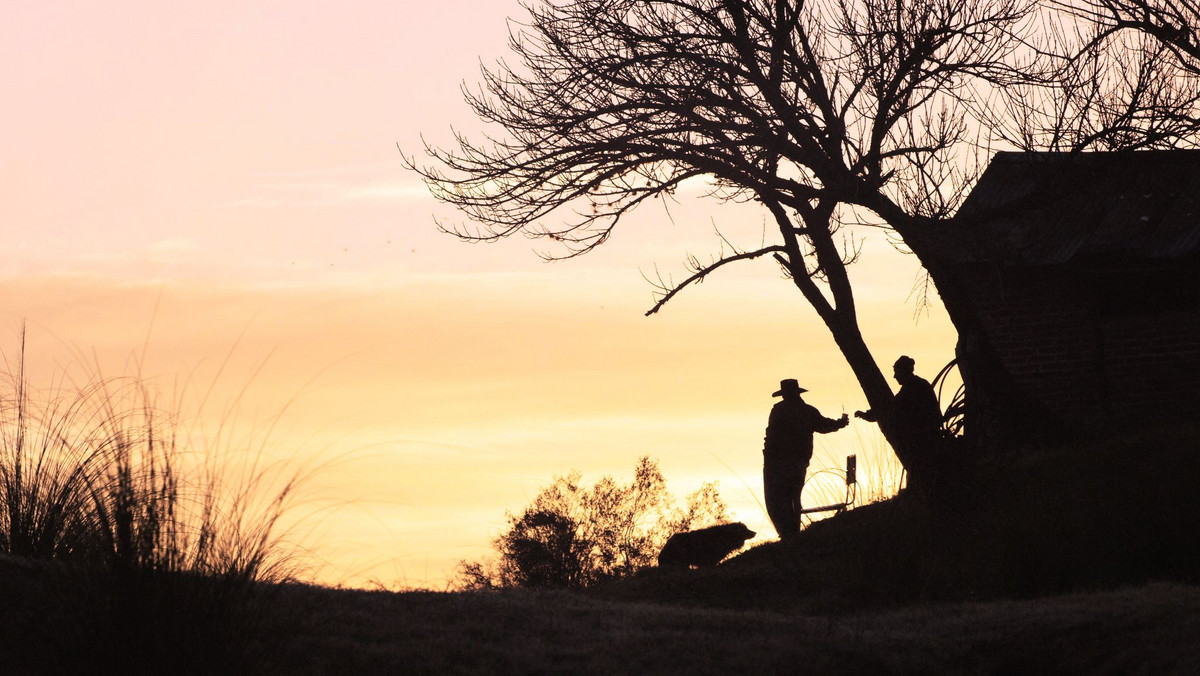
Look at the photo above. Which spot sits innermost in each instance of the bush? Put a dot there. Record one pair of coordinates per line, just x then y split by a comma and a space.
575, 537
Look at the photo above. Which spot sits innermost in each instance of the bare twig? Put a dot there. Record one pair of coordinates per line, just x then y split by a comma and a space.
669, 289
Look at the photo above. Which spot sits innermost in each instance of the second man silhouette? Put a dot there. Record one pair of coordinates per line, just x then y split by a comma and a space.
916, 419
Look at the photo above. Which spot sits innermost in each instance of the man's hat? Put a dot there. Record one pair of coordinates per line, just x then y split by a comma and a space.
789, 386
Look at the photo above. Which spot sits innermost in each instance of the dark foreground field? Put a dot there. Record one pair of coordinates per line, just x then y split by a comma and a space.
1077, 560
1153, 629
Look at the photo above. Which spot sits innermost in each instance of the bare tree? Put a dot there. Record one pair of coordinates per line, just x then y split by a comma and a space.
1117, 75
1173, 23
818, 111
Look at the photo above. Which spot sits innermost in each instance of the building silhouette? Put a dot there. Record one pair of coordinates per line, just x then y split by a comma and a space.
1084, 272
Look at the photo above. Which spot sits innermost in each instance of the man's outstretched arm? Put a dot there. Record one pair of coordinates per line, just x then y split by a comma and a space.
826, 425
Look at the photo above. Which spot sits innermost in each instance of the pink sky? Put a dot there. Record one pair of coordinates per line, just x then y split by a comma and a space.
182, 176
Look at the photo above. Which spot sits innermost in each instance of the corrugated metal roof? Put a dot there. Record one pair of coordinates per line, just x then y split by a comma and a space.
1053, 208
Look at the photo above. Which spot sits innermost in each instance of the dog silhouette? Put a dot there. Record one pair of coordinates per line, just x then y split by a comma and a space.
704, 547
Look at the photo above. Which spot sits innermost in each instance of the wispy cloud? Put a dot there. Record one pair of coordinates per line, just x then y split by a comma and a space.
379, 182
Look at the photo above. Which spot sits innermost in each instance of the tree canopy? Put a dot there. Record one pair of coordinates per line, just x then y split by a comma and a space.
822, 112
1172, 23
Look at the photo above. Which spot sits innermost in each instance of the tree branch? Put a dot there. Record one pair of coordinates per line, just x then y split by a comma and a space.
670, 290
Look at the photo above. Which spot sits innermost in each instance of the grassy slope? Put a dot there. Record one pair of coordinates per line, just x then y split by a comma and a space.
1093, 516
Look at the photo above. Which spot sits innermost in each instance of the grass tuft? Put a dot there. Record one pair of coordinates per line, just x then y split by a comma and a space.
141, 552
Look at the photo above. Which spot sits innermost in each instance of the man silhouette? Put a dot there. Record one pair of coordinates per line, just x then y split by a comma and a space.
787, 449
916, 418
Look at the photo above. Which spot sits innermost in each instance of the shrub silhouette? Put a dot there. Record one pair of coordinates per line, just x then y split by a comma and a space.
543, 551
573, 537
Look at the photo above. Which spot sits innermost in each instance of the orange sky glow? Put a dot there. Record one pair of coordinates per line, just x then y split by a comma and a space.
188, 186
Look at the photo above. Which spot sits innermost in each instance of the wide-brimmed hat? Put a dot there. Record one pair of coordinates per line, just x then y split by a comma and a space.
788, 386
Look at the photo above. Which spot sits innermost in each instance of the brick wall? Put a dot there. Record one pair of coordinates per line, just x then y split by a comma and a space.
1153, 364
1087, 358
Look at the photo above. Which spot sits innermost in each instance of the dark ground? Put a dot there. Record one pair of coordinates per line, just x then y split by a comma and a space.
1149, 629
1080, 559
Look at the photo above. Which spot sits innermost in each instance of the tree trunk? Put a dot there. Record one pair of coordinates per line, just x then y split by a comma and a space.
841, 318
875, 387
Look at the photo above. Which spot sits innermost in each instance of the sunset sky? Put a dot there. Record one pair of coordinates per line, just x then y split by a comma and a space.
221, 181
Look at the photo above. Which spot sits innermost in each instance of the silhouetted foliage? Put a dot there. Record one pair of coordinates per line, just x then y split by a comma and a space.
572, 536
